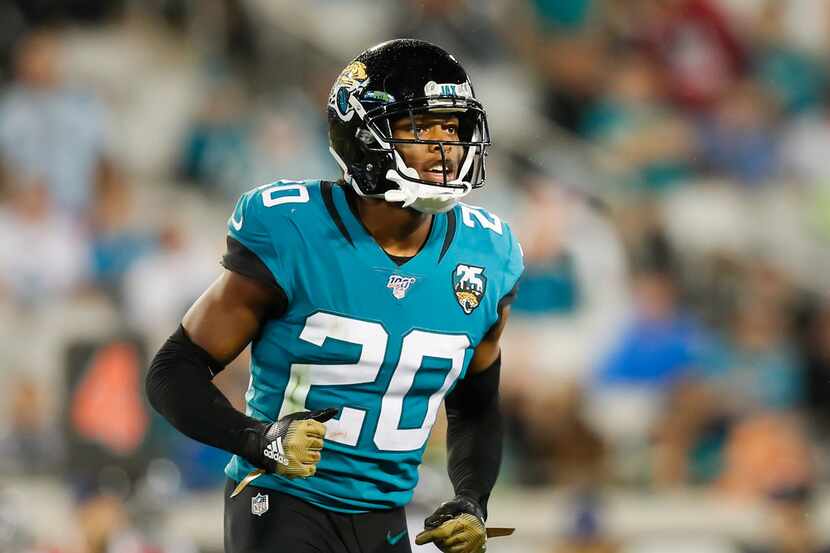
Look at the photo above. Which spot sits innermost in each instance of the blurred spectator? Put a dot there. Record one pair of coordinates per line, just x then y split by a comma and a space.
660, 348
634, 124
578, 454
690, 437
159, 287
551, 440
570, 293
699, 52
449, 23
49, 130
794, 77
31, 444
560, 41
738, 139
44, 249
756, 369
286, 143
226, 30
234, 145
767, 454
117, 242
572, 68
661, 343
549, 284
573, 291
213, 153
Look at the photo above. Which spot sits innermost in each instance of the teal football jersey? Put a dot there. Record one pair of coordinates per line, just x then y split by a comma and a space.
382, 342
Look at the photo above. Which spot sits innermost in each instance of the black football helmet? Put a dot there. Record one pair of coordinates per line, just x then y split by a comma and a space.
396, 79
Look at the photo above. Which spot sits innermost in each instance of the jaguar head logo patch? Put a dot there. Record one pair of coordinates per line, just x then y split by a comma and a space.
469, 284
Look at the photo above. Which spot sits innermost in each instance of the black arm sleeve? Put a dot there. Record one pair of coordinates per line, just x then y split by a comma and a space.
179, 386
474, 434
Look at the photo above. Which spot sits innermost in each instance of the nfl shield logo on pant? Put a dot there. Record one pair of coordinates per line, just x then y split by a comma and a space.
259, 504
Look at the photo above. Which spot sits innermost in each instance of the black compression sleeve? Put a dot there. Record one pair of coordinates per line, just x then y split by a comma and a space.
179, 387
474, 434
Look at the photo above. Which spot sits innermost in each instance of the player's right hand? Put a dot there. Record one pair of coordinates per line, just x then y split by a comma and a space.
291, 446
456, 526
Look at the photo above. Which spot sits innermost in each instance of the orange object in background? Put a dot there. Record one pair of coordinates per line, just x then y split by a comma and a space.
107, 407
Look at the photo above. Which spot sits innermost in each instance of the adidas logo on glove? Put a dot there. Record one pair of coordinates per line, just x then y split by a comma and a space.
275, 451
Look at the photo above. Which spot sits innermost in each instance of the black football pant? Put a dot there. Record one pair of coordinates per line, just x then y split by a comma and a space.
261, 520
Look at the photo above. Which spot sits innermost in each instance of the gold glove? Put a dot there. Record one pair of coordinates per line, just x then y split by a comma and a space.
290, 447
464, 533
456, 526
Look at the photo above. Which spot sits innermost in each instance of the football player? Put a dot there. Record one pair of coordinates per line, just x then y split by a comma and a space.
367, 302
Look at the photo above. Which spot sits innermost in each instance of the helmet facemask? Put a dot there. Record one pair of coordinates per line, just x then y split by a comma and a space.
375, 137
407, 79
459, 178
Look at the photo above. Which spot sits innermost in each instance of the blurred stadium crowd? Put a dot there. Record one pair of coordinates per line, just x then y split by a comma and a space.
666, 164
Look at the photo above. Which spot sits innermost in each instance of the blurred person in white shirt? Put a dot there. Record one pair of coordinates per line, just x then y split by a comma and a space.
49, 129
44, 251
159, 287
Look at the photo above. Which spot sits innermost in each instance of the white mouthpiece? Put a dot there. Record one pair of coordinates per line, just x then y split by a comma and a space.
394, 196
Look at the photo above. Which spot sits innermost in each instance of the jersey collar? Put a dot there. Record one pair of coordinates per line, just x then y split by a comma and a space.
353, 230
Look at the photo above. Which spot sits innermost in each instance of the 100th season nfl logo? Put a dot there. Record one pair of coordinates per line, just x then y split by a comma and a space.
399, 285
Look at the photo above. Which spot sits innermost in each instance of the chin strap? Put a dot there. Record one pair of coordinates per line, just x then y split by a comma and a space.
407, 191
422, 197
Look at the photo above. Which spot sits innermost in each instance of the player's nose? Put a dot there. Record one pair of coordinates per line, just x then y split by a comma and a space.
446, 142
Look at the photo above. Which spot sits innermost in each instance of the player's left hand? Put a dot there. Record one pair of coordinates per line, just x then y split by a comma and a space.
456, 526
291, 446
